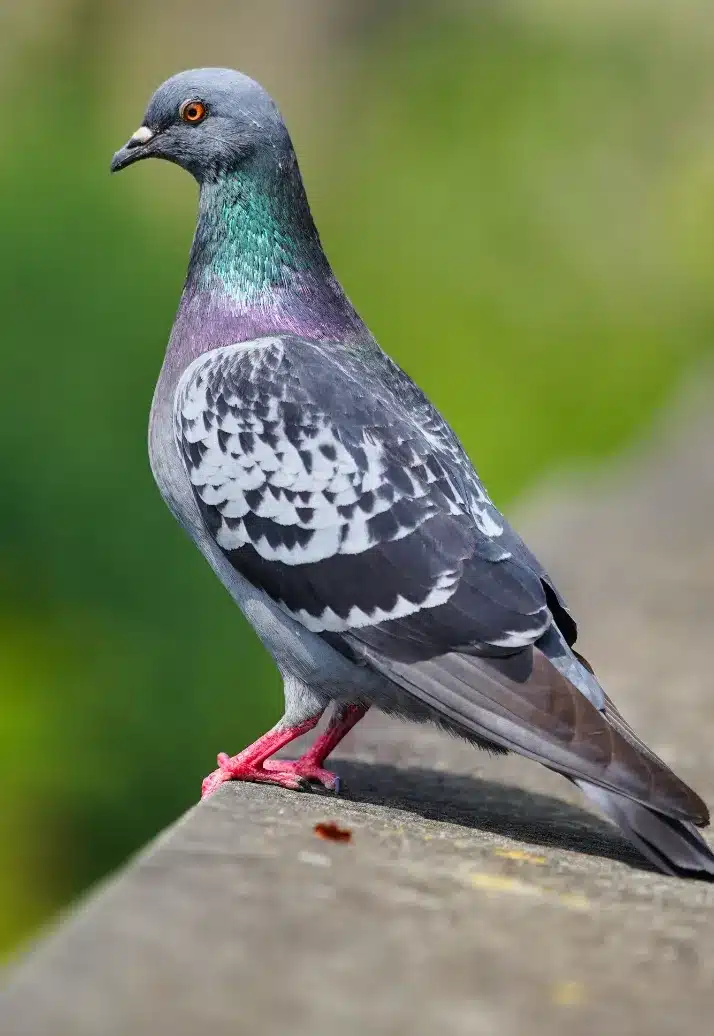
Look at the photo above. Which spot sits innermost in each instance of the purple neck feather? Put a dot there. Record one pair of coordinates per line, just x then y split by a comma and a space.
257, 268
209, 318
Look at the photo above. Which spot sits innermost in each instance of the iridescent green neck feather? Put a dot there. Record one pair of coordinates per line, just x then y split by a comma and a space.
257, 266
255, 233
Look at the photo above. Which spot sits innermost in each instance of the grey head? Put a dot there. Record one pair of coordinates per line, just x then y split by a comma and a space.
208, 121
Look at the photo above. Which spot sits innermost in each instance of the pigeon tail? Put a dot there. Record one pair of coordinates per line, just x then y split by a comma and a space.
675, 847
524, 704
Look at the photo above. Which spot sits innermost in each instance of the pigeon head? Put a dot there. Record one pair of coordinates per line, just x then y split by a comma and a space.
209, 121
256, 265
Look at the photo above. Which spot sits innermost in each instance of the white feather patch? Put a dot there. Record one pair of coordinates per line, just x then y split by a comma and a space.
356, 618
328, 492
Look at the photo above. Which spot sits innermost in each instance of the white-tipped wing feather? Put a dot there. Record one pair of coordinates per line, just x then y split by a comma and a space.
350, 505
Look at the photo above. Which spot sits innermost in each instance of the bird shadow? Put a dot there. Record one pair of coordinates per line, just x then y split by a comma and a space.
487, 806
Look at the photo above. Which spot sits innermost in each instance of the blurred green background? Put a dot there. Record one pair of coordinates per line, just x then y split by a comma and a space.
519, 197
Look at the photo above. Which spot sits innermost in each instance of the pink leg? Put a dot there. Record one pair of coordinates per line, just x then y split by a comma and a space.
248, 765
309, 765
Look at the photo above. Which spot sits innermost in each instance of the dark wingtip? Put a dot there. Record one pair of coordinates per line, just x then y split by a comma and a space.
675, 847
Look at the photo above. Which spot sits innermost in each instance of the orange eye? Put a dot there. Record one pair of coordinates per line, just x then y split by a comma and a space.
193, 111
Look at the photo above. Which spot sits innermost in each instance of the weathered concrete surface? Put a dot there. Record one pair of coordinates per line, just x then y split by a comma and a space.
464, 903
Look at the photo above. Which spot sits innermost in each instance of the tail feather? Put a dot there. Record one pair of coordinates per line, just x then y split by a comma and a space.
673, 846
523, 703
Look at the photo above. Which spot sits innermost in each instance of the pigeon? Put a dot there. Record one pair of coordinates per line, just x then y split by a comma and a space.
342, 513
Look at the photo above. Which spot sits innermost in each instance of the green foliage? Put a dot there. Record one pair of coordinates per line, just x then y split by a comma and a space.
518, 215
518, 220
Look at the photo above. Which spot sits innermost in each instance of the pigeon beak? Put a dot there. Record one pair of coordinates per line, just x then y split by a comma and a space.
133, 150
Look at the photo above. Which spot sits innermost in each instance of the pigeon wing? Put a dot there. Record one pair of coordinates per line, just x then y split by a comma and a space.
325, 489
522, 703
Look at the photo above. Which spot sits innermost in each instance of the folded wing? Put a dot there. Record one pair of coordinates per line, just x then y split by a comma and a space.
325, 489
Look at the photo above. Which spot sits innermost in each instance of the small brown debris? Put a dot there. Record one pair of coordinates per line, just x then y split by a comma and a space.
332, 832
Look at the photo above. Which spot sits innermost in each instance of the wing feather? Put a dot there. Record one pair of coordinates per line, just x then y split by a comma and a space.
335, 487
524, 704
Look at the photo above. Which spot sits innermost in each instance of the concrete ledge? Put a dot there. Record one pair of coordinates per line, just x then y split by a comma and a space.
240, 918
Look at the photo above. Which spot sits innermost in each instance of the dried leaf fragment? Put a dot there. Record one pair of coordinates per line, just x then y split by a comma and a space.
332, 832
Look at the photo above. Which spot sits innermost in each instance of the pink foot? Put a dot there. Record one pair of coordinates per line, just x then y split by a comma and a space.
307, 770
237, 769
255, 764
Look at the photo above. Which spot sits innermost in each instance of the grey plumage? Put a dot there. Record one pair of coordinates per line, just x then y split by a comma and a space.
340, 510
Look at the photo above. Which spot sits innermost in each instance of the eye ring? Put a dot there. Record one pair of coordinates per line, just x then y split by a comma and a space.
193, 112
